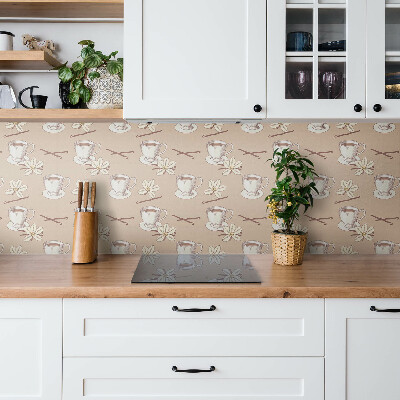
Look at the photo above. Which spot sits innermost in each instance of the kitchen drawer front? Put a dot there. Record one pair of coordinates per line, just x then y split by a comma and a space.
152, 378
237, 327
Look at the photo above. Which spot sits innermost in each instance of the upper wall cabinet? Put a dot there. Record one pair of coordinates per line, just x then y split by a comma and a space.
316, 58
195, 59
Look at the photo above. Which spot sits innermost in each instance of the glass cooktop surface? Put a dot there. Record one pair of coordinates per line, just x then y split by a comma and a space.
195, 268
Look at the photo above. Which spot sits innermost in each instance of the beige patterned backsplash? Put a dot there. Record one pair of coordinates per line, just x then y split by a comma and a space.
195, 187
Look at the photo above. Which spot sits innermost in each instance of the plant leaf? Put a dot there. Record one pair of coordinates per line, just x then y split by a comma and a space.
85, 93
93, 61
86, 43
114, 67
65, 74
93, 75
76, 84
86, 52
77, 66
73, 98
113, 54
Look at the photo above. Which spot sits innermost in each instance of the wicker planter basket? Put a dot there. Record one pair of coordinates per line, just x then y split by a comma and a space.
288, 249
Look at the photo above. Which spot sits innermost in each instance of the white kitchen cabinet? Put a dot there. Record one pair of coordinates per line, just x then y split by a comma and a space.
30, 349
305, 79
195, 59
362, 349
153, 378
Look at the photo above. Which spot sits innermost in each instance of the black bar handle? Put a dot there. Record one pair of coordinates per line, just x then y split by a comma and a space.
193, 371
389, 310
176, 308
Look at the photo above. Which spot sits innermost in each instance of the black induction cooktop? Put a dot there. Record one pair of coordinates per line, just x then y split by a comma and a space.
195, 268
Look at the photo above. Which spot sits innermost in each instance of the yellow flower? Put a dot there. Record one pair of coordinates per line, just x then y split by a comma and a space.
289, 204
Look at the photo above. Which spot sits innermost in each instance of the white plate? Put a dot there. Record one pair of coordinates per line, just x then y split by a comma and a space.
211, 161
211, 227
146, 228
382, 196
12, 227
51, 196
146, 161
251, 196
182, 196
117, 196
346, 161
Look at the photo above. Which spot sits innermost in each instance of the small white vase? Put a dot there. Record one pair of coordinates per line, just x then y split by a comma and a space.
107, 91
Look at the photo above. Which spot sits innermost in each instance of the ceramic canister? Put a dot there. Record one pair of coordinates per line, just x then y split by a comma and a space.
6, 40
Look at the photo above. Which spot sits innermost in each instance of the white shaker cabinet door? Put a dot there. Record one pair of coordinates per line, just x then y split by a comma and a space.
362, 349
30, 349
195, 59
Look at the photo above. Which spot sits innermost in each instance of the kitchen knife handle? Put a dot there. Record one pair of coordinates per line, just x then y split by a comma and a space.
389, 310
175, 308
93, 195
80, 194
86, 195
193, 371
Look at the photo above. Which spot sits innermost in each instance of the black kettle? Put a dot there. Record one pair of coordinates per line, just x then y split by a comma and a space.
38, 101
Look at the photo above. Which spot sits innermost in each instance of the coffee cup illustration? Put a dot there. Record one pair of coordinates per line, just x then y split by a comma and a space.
253, 185
18, 151
350, 151
218, 151
386, 247
19, 217
350, 217
323, 183
188, 247
152, 151
54, 186
218, 217
85, 151
254, 247
121, 185
187, 185
385, 186
56, 247
152, 217
281, 145
321, 247
122, 247
188, 261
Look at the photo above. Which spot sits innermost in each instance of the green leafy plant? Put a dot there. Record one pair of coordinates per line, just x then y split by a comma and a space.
294, 188
79, 71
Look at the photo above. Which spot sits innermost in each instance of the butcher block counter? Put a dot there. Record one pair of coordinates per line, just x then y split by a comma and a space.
325, 276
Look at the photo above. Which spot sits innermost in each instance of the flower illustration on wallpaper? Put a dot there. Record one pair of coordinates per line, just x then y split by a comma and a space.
18, 126
363, 167
347, 188
85, 127
85, 151
122, 247
17, 188
17, 251
218, 127
53, 127
164, 275
385, 186
18, 151
54, 186
217, 218
149, 188
104, 232
216, 254
120, 127
318, 127
350, 151
32, 166
165, 166
215, 188
229, 275
321, 247
185, 127
348, 250
323, 183
32, 232
121, 186
99, 167
253, 185
232, 232
19, 217
56, 247
166, 232
284, 127
152, 150
350, 217
152, 217
232, 166
384, 127
364, 232
218, 152
252, 127
151, 126
187, 185
150, 255
349, 126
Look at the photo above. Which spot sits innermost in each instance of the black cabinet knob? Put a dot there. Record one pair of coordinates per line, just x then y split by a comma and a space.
358, 108
257, 108
377, 107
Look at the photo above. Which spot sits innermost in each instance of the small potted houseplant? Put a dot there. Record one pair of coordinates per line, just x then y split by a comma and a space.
95, 80
294, 188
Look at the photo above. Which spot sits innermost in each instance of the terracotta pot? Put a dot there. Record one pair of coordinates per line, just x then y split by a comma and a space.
288, 249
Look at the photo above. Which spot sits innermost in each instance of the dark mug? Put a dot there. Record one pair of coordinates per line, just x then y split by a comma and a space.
299, 41
38, 101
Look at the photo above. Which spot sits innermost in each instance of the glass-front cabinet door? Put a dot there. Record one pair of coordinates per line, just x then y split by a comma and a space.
316, 58
383, 59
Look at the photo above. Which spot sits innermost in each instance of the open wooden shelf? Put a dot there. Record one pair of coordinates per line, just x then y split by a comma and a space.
62, 9
27, 60
60, 115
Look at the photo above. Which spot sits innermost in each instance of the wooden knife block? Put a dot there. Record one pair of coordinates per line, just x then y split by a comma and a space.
85, 243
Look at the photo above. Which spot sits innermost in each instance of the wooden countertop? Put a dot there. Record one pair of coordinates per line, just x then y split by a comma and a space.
319, 276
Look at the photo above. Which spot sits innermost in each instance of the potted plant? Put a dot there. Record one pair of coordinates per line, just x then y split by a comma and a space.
95, 80
294, 188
